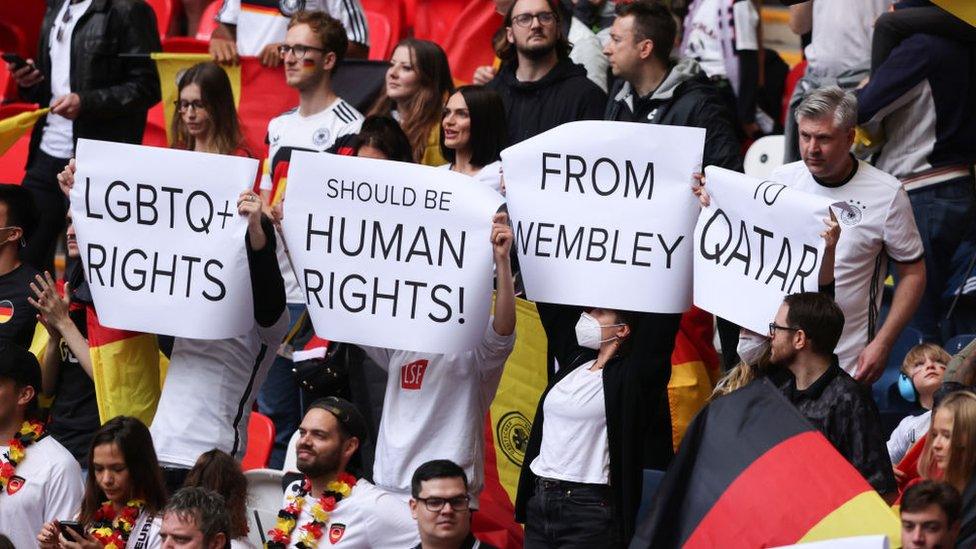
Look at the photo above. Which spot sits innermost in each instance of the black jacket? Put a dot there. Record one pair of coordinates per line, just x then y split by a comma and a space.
563, 95
116, 92
635, 394
684, 98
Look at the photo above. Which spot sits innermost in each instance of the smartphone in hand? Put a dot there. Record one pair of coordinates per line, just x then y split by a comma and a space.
66, 525
17, 61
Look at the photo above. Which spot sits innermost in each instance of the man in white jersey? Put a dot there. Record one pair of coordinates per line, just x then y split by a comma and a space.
364, 516
257, 27
45, 483
878, 225
314, 45
435, 404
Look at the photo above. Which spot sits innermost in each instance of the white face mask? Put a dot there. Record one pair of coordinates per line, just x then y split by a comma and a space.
589, 331
751, 346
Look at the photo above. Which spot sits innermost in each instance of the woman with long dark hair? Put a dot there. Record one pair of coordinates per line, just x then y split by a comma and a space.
206, 118
417, 84
124, 492
473, 134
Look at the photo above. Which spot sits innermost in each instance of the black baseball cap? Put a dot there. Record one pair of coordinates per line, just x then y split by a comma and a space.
347, 414
20, 365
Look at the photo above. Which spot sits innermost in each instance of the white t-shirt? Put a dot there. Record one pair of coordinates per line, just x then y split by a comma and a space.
289, 132
909, 430
575, 446
263, 22
434, 408
369, 517
842, 33
490, 175
877, 224
208, 393
56, 139
145, 532
46, 486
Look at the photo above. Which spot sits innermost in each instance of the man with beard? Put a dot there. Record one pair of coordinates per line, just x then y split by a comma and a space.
803, 336
328, 501
540, 87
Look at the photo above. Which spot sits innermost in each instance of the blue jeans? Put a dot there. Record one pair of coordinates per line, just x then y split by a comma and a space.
946, 218
280, 398
569, 515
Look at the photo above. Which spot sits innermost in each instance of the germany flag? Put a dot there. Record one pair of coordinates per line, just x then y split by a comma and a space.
752, 472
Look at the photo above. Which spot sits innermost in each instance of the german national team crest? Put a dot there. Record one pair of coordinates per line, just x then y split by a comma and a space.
335, 532
321, 137
290, 7
15, 484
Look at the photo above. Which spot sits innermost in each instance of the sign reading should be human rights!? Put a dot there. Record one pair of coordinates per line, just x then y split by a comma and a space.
603, 214
391, 254
160, 238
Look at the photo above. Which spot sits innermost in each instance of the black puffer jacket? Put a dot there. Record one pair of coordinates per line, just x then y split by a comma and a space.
684, 98
563, 95
115, 91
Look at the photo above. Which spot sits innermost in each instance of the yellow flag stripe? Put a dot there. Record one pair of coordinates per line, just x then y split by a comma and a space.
963, 9
127, 378
523, 381
12, 128
864, 514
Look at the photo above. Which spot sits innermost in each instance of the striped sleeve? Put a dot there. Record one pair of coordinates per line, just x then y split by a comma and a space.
350, 14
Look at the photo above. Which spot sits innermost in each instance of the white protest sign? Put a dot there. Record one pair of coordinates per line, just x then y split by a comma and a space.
160, 238
755, 243
603, 214
391, 254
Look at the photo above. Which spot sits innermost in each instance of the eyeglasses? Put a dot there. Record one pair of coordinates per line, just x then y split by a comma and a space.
773, 327
525, 19
458, 503
299, 50
65, 19
183, 105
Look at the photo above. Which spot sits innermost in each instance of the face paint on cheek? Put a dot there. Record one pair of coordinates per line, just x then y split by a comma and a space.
308, 65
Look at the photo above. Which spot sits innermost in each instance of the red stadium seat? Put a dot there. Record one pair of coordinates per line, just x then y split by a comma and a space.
208, 21
185, 44
469, 46
409, 13
395, 15
12, 162
436, 19
164, 15
12, 38
380, 36
155, 132
26, 16
260, 439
